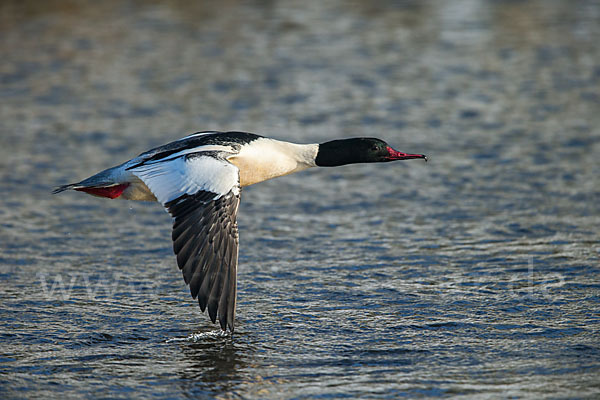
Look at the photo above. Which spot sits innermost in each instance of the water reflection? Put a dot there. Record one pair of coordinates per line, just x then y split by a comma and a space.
216, 364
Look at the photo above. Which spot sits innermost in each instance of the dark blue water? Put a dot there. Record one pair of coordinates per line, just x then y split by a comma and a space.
475, 275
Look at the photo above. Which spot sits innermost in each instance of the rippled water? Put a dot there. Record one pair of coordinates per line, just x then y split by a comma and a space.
474, 275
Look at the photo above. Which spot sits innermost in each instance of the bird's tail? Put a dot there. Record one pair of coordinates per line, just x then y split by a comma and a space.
103, 184
71, 186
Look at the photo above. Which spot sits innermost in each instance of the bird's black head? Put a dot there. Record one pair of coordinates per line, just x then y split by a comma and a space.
358, 150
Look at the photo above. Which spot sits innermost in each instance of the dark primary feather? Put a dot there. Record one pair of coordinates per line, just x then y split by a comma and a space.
205, 240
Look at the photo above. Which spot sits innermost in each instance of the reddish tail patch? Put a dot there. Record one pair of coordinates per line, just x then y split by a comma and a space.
112, 192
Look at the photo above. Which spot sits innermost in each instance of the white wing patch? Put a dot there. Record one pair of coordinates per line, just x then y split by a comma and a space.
169, 179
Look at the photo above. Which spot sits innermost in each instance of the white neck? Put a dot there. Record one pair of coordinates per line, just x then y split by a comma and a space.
267, 158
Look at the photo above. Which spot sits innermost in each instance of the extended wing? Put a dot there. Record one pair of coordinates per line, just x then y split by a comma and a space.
202, 193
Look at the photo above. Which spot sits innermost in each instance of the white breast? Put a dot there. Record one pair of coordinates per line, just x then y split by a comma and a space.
267, 158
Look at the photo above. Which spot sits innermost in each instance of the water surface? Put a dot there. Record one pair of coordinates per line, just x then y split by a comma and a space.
474, 275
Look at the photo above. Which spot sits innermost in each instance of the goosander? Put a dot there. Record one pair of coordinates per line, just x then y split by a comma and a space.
198, 179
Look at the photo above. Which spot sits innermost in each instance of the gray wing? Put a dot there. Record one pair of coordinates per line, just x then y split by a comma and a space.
202, 193
205, 240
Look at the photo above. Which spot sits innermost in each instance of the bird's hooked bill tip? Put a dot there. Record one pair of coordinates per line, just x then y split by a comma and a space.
398, 155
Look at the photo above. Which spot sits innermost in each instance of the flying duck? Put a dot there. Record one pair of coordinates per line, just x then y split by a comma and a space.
198, 179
